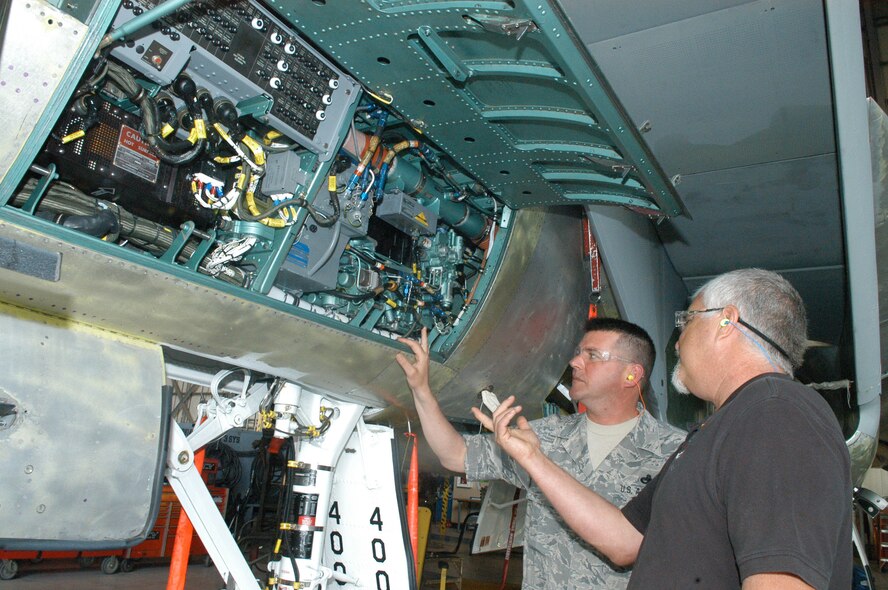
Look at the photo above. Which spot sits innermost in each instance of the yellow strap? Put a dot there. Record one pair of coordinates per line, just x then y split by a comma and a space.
276, 223
258, 154
271, 136
221, 131
73, 136
201, 127
192, 137
167, 130
331, 183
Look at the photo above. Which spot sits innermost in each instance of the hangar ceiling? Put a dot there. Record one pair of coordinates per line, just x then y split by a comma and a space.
738, 98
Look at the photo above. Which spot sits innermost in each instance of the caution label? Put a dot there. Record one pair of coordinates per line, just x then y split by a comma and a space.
421, 217
135, 156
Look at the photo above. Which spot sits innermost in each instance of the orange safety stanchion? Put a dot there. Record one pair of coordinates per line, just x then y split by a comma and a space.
511, 539
413, 500
182, 544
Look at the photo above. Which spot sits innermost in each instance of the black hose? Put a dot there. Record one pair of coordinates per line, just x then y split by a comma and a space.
103, 223
462, 532
289, 508
351, 297
173, 152
66, 200
296, 202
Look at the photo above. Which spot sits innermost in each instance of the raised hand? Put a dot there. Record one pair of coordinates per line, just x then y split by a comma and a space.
444, 440
521, 442
416, 372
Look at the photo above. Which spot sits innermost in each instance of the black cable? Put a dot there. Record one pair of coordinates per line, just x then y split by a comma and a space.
174, 152
300, 202
63, 198
462, 532
288, 506
350, 296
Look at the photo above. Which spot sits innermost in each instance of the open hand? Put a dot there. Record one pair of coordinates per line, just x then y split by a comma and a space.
520, 442
416, 372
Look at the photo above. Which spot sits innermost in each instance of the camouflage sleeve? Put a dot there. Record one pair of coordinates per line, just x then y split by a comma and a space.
485, 460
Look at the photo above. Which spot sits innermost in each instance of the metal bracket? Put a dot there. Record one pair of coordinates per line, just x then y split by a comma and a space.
504, 25
224, 419
208, 239
179, 242
48, 175
257, 106
622, 169
454, 66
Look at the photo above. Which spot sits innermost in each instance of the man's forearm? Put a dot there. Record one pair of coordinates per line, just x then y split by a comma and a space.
596, 520
442, 437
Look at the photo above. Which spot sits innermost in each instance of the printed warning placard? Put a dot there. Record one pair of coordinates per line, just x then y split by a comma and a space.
135, 156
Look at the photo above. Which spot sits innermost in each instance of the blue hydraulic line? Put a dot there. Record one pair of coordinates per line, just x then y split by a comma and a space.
380, 182
143, 20
366, 185
408, 176
431, 156
382, 116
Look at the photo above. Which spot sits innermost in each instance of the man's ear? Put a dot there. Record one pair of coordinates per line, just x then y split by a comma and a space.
635, 374
729, 317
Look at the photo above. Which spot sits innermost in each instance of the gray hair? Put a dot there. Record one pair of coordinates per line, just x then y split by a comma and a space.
768, 302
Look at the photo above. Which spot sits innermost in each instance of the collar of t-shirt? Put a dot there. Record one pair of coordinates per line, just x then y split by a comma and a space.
604, 438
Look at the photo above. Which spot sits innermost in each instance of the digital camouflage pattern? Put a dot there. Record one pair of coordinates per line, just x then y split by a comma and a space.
555, 557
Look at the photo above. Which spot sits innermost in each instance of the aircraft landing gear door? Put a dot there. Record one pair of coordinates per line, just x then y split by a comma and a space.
83, 424
366, 534
345, 527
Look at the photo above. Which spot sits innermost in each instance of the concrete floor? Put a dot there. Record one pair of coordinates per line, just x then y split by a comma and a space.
880, 580
465, 572
475, 572
69, 576
479, 573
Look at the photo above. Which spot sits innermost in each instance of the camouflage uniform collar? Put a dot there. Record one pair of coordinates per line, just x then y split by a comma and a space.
570, 425
647, 434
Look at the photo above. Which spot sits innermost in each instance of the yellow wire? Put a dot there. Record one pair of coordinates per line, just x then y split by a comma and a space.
388, 99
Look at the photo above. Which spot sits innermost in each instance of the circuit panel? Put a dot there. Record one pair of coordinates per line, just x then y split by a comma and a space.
241, 51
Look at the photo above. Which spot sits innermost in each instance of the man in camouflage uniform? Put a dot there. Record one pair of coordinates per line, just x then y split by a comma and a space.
614, 448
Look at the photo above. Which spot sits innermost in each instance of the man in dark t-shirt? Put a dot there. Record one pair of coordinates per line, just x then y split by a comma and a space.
759, 495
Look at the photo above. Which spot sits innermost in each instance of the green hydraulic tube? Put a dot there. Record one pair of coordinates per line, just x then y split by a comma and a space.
143, 20
409, 178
